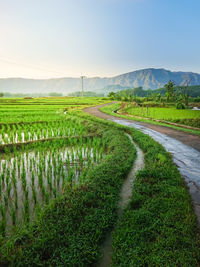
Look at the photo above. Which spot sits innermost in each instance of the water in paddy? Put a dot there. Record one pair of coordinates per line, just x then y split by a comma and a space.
15, 137
31, 179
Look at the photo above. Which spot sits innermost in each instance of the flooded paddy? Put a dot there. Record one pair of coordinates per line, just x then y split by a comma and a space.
30, 179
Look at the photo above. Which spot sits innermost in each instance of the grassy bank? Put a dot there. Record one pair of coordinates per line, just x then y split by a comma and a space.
70, 230
159, 227
110, 108
182, 116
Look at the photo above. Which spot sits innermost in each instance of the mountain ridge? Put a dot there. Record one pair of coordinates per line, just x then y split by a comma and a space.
150, 78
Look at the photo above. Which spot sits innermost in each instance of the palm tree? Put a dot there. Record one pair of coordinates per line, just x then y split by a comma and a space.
170, 90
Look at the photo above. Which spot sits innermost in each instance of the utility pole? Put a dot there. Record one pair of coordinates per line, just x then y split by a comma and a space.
82, 77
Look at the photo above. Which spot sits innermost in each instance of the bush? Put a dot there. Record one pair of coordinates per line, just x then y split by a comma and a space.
180, 105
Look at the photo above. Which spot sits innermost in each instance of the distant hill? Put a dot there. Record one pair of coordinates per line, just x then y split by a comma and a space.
147, 78
155, 78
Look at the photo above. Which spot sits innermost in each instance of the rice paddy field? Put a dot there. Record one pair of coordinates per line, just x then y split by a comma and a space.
182, 116
30, 178
44, 151
61, 174
158, 116
15, 110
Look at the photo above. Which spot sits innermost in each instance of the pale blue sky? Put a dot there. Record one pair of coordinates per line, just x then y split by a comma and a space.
54, 38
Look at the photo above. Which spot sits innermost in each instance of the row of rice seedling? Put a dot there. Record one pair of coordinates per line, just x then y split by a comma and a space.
17, 133
183, 117
13, 110
31, 177
19, 114
69, 232
187, 116
163, 113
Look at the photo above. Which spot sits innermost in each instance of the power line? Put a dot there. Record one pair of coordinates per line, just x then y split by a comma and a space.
30, 66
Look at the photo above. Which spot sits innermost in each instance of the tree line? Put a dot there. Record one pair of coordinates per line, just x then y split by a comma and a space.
181, 95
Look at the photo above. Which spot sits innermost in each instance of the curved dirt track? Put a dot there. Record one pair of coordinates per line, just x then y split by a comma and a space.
184, 147
186, 138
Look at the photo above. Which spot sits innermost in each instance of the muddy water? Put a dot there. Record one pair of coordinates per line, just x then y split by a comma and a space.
125, 196
185, 157
14, 138
54, 167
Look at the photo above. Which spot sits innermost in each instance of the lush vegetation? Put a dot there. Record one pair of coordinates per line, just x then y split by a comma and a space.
159, 227
15, 110
33, 175
174, 105
186, 116
114, 109
58, 197
192, 91
61, 172
70, 230
18, 133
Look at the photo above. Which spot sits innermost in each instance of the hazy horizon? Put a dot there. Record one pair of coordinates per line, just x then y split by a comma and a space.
88, 77
57, 39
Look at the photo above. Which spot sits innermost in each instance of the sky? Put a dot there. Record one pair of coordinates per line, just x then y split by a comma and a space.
69, 38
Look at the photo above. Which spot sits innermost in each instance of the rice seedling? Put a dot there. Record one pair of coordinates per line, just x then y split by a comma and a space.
45, 171
13, 216
27, 132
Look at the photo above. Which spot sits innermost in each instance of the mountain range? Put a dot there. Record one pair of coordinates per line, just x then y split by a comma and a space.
147, 78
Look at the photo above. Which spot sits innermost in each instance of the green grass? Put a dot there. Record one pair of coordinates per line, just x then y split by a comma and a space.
53, 101
159, 227
185, 116
110, 108
18, 110
164, 113
69, 232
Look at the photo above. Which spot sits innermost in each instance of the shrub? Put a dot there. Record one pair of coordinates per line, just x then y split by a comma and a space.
180, 105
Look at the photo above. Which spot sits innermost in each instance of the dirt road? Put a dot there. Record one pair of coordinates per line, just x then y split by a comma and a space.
184, 147
186, 138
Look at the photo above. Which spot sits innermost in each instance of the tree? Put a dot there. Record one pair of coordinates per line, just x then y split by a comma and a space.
112, 95
158, 97
1, 94
170, 90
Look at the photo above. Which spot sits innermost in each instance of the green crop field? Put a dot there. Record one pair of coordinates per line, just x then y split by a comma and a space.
14, 110
61, 174
43, 151
147, 115
164, 113
185, 116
